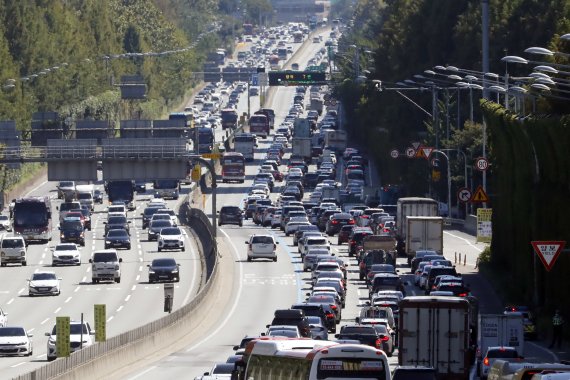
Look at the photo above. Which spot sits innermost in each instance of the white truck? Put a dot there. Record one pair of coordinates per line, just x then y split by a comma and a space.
499, 330
316, 104
434, 332
105, 266
84, 194
424, 233
412, 206
336, 140
301, 147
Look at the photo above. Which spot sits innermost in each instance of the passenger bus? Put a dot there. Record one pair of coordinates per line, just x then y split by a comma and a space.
205, 137
229, 118
32, 218
306, 359
259, 124
244, 143
233, 167
298, 36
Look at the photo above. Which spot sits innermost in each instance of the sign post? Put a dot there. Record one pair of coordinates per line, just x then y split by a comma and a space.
484, 225
548, 251
62, 340
168, 297
100, 313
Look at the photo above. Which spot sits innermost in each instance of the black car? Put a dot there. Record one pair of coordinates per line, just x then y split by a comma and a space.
230, 215
116, 222
148, 213
117, 238
317, 310
165, 269
290, 317
72, 231
155, 227
98, 196
336, 221
140, 186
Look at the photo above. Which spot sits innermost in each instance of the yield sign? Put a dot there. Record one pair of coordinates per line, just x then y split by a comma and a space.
480, 195
548, 251
416, 145
424, 152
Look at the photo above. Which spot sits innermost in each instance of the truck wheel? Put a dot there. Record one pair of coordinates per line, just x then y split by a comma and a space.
24, 263
159, 249
94, 280
118, 280
2, 264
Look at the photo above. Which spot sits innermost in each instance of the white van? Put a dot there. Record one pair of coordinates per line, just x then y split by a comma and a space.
13, 250
84, 194
105, 266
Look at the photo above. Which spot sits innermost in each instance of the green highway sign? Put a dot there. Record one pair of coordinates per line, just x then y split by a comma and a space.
314, 68
295, 78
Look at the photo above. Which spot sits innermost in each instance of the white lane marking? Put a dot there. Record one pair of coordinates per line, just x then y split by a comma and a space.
68, 299
41, 356
138, 277
9, 302
21, 290
127, 298
44, 321
140, 269
134, 287
235, 300
57, 310
32, 329
120, 308
17, 365
84, 279
142, 373
109, 319
35, 188
88, 269
194, 275
554, 356
465, 240
76, 290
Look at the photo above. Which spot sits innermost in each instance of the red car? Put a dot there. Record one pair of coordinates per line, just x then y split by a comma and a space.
344, 233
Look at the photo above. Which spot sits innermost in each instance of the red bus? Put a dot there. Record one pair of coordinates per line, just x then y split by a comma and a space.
32, 218
233, 167
259, 125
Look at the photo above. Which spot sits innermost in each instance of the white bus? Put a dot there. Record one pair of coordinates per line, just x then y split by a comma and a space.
244, 143
306, 359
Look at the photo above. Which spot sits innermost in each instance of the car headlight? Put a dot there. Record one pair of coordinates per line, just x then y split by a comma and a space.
62, 236
150, 271
175, 271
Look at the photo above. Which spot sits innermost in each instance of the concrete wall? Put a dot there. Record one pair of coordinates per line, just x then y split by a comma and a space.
471, 224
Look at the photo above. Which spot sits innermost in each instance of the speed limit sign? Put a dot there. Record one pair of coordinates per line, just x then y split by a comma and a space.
481, 164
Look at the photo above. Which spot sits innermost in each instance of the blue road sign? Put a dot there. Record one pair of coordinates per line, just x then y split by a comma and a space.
255, 80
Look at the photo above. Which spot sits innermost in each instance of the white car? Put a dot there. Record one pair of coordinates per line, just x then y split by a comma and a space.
320, 241
261, 247
171, 238
66, 253
3, 318
75, 338
15, 341
44, 283
276, 219
5, 223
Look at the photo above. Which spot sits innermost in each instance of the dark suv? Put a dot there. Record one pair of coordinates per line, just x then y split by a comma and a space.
292, 317
356, 237
317, 310
230, 215
72, 232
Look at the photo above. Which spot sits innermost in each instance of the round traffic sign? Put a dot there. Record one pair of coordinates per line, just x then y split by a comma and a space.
464, 194
394, 153
410, 152
435, 162
481, 164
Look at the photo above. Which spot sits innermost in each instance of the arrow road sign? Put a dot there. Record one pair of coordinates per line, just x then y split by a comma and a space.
464, 194
548, 251
394, 153
481, 164
410, 152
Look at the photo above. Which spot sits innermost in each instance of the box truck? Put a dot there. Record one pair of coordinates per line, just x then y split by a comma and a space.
424, 233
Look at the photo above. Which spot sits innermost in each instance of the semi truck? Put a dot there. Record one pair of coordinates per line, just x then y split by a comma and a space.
301, 147
336, 140
412, 206
435, 332
499, 330
424, 233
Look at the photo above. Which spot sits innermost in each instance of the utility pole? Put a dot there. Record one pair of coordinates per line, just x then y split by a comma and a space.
485, 43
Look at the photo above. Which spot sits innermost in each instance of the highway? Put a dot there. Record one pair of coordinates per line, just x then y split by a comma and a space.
130, 303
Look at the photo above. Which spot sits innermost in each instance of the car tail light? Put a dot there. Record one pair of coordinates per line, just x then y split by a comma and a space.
385, 338
351, 221
378, 343
334, 307
334, 221
330, 315
486, 361
365, 216
462, 295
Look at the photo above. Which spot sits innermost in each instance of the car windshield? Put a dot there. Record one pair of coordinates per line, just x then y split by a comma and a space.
75, 329
4, 217
170, 231
66, 247
117, 220
12, 243
12, 331
43, 276
163, 262
160, 223
117, 233
231, 210
262, 240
